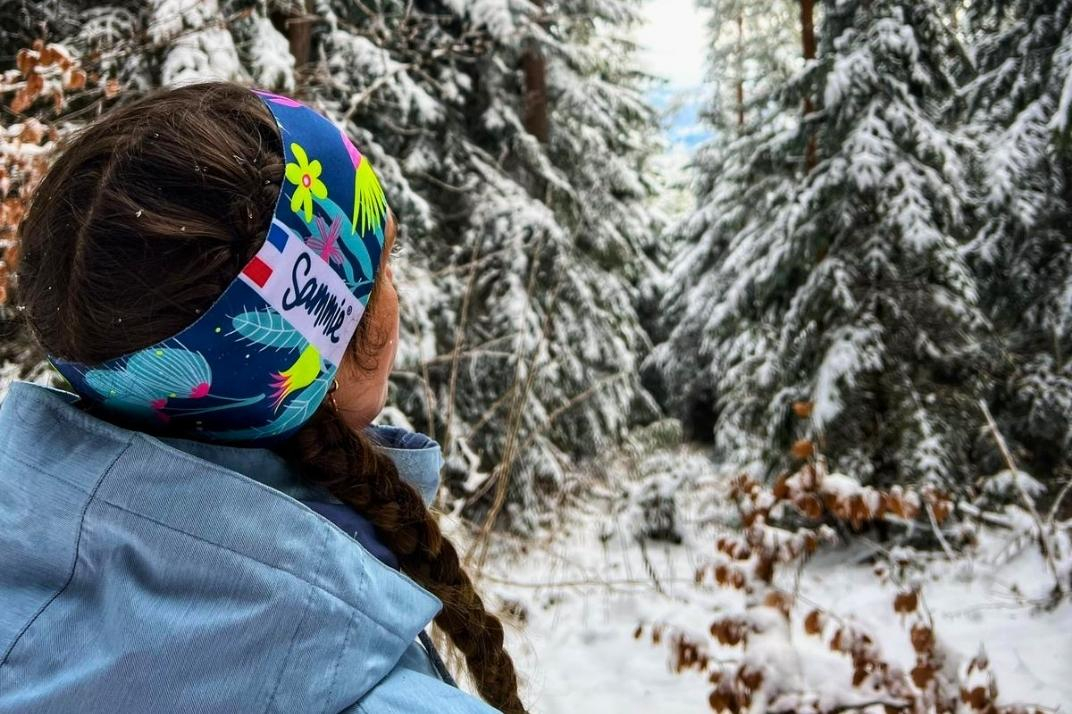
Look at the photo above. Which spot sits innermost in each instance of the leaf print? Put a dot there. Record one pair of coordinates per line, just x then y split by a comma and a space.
267, 328
293, 415
370, 205
171, 372
118, 386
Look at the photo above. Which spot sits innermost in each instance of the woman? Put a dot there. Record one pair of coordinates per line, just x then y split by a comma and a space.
211, 524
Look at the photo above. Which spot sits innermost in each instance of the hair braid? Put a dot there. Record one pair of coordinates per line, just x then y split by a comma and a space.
208, 158
347, 464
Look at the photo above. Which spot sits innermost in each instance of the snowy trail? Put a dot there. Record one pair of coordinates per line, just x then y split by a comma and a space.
583, 600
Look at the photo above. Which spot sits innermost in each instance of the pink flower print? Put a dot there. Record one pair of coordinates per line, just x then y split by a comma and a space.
327, 243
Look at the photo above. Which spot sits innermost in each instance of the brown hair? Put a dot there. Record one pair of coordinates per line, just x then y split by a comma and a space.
141, 223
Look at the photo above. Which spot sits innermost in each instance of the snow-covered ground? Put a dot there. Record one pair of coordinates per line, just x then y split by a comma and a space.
583, 590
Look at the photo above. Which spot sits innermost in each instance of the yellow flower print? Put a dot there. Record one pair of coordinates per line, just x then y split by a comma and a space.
305, 175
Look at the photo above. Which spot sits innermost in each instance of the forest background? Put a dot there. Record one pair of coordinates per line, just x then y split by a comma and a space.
837, 336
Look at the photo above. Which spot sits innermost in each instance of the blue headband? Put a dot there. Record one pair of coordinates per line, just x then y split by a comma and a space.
258, 363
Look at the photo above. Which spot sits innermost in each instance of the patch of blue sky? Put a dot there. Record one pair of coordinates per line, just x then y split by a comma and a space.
672, 38
682, 118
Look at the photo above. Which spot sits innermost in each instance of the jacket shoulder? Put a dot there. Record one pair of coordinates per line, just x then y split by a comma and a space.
407, 691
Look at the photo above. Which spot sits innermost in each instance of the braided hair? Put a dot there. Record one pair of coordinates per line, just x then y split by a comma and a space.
144, 219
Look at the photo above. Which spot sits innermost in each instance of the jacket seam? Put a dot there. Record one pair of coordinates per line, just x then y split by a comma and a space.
100, 427
180, 455
335, 668
274, 493
301, 621
74, 560
247, 556
45, 472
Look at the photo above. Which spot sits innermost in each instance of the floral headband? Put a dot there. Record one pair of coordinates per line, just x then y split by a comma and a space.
257, 364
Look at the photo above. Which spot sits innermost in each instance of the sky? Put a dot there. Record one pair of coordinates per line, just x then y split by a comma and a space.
673, 44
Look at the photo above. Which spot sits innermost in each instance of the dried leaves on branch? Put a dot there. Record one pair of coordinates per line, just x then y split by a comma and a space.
36, 92
752, 657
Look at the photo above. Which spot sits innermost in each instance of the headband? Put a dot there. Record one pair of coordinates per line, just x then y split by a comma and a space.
257, 364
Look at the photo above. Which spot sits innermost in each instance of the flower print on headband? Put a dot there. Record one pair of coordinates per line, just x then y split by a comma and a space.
327, 242
305, 175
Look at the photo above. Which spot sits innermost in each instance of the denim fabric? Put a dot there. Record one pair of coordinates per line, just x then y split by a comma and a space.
418, 458
139, 577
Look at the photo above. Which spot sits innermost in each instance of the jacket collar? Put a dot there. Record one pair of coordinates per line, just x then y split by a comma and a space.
417, 458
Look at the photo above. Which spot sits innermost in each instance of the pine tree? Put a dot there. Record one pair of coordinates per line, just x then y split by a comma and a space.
840, 293
536, 333
754, 52
1019, 112
526, 245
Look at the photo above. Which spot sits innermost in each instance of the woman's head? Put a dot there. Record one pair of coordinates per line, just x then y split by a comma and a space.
184, 186
145, 220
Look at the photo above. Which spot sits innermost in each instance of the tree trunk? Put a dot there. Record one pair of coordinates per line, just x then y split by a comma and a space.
300, 36
297, 25
740, 72
807, 39
534, 69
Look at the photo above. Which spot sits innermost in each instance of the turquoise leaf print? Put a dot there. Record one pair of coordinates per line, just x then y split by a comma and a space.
295, 413
267, 328
154, 374
171, 372
122, 393
112, 384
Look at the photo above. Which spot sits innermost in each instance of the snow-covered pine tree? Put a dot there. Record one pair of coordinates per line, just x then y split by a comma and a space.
1020, 115
755, 51
834, 305
753, 160
754, 62
522, 337
527, 240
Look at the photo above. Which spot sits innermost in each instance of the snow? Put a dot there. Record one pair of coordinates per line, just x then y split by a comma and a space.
495, 15
852, 351
272, 64
586, 587
201, 48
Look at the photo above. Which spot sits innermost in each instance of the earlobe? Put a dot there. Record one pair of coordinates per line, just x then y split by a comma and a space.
331, 393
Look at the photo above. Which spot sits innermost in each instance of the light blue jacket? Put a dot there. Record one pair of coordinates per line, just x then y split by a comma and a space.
144, 576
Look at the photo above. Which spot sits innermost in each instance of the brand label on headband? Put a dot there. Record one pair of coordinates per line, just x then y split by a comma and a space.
305, 290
